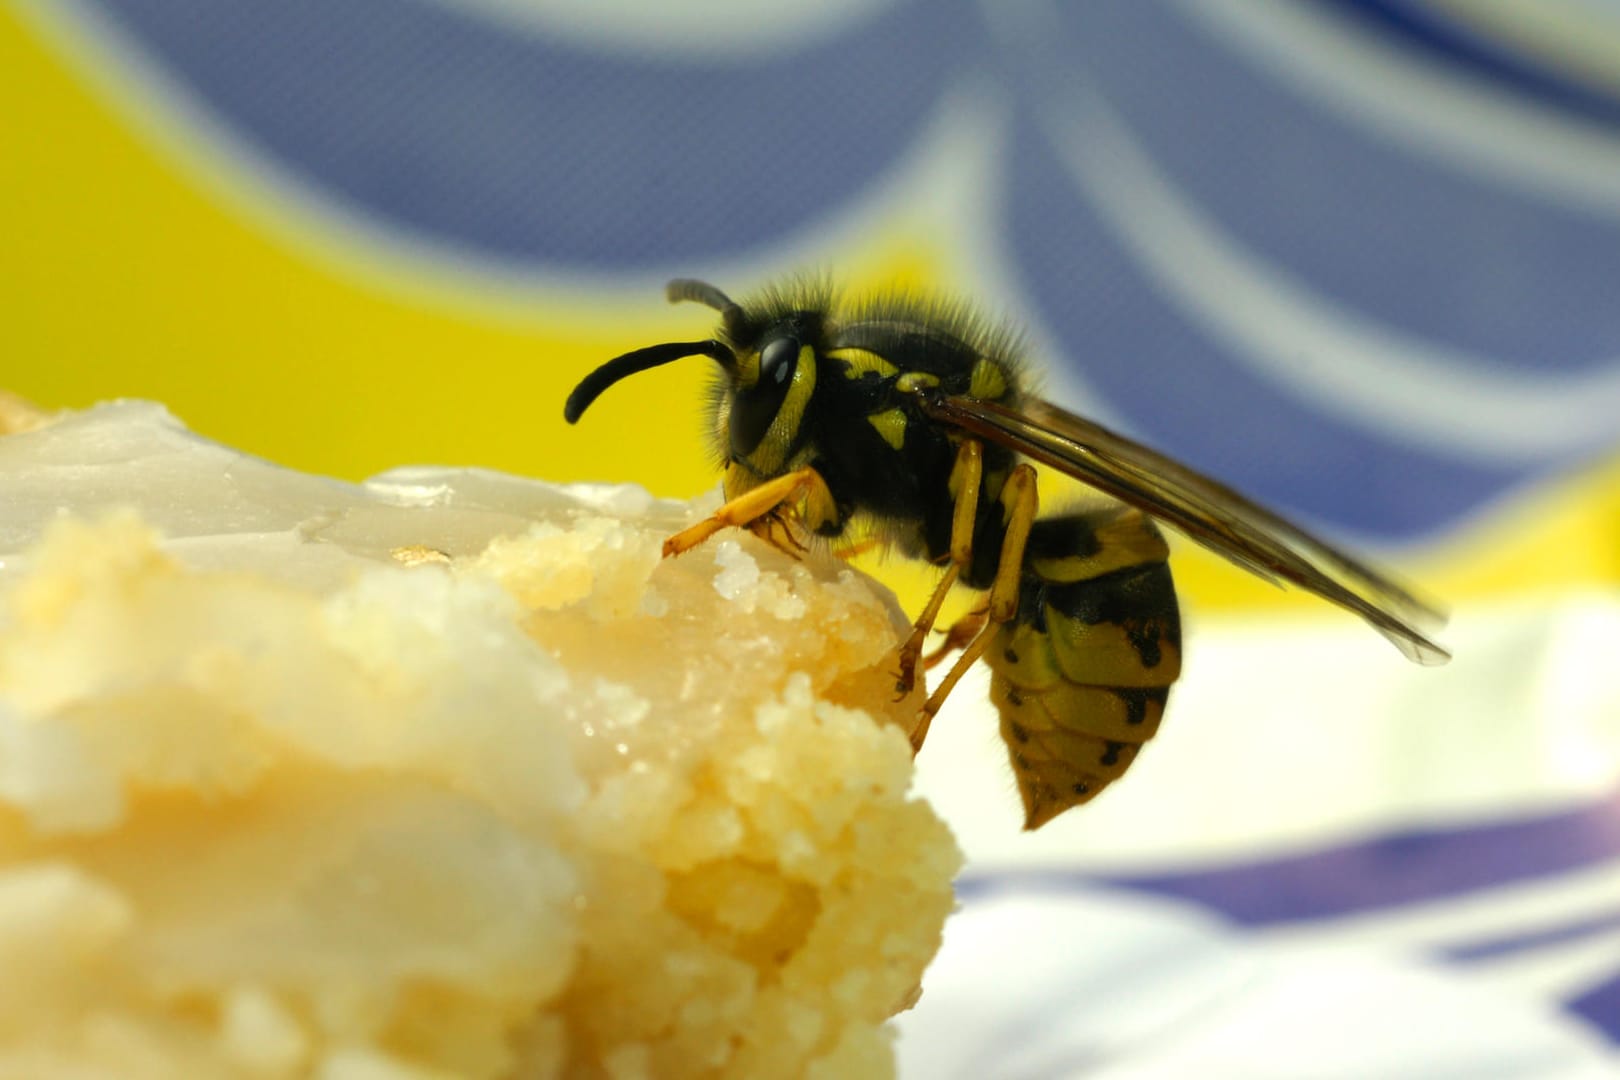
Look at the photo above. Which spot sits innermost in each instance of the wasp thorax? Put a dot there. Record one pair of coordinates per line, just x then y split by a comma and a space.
758, 400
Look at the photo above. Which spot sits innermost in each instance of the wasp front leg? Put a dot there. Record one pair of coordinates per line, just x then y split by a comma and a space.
765, 511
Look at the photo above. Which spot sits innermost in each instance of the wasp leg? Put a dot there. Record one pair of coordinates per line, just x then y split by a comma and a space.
961, 632
964, 483
1018, 496
855, 551
911, 650
764, 505
776, 529
936, 700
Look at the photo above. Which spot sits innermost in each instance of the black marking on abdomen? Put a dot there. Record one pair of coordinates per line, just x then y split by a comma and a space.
1141, 600
1137, 700
1070, 536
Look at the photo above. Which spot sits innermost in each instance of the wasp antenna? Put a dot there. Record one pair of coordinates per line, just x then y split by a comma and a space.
701, 291
731, 312
591, 386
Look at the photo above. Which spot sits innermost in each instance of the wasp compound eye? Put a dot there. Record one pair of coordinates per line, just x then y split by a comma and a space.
776, 361
757, 405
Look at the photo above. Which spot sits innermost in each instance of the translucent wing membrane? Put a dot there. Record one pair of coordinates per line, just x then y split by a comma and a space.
1204, 509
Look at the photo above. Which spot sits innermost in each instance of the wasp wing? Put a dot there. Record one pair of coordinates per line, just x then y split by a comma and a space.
1208, 511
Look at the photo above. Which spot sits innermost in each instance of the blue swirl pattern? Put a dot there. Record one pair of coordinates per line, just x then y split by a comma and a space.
1317, 293
517, 147
1402, 870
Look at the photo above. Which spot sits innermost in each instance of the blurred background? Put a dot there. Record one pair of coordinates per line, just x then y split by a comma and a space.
1360, 258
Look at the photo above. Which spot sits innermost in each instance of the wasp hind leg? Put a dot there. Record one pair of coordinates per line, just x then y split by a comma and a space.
1019, 498
957, 636
766, 511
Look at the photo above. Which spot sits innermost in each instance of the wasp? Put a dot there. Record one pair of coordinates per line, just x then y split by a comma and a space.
906, 420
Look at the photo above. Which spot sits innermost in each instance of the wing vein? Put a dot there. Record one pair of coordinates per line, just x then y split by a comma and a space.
1207, 511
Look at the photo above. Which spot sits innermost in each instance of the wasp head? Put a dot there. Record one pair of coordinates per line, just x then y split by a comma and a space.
768, 368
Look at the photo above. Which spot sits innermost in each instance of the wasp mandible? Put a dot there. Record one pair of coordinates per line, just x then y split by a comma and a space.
905, 420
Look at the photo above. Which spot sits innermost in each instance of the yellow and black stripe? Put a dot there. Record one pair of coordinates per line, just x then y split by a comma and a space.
1081, 673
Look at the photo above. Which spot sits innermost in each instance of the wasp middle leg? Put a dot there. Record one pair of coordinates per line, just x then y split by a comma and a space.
966, 480
1020, 505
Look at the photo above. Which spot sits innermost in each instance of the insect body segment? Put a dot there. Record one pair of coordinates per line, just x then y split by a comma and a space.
907, 422
1081, 672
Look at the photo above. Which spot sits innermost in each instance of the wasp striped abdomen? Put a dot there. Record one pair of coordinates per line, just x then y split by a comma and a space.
1081, 672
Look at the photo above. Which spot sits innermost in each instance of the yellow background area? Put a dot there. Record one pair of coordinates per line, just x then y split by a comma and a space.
126, 273
139, 261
